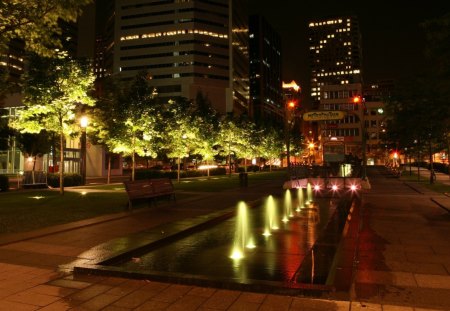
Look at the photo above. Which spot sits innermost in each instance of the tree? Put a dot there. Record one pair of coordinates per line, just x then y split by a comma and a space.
34, 146
36, 22
248, 141
181, 135
230, 137
125, 120
271, 145
5, 131
207, 141
207, 120
438, 53
55, 90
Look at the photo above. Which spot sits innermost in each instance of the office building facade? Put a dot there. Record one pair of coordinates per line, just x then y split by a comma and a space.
186, 47
335, 53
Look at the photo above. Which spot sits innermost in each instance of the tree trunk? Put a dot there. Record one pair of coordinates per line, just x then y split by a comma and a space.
32, 170
229, 159
132, 158
132, 166
61, 164
108, 178
178, 173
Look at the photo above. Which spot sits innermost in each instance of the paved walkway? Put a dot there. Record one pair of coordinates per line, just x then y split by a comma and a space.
402, 260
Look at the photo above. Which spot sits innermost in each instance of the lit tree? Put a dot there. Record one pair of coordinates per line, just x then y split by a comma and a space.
230, 137
181, 134
207, 120
207, 141
36, 22
271, 146
248, 140
126, 118
55, 90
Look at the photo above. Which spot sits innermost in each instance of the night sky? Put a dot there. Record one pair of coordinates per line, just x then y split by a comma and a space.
393, 42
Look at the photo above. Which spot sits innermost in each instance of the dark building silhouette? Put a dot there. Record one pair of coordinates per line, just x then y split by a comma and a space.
266, 95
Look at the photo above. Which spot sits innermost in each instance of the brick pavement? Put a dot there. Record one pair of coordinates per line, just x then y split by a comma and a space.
402, 262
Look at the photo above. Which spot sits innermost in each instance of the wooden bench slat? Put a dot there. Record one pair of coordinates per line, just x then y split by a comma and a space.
148, 189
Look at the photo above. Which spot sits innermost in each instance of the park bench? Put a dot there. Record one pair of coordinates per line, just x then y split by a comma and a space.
34, 180
149, 189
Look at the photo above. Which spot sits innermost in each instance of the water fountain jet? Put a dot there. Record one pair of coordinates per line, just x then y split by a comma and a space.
271, 215
242, 237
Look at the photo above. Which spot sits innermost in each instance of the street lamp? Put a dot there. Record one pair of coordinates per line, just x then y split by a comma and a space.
289, 110
83, 124
291, 91
359, 100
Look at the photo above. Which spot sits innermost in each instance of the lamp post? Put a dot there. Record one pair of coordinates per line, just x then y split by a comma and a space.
83, 124
359, 100
289, 110
291, 91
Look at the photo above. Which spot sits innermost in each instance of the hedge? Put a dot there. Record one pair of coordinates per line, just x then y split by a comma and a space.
4, 183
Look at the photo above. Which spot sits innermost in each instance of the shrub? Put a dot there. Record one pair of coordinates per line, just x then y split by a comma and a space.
70, 180
4, 183
217, 171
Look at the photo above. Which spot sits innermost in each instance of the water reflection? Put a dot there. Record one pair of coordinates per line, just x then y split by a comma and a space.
277, 252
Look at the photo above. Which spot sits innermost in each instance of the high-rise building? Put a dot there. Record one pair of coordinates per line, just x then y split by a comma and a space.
335, 53
186, 46
266, 96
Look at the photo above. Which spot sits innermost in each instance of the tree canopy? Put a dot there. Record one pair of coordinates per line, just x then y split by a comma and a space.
36, 22
55, 91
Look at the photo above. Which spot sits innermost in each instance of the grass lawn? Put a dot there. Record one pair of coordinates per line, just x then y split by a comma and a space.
33, 209
26, 210
425, 181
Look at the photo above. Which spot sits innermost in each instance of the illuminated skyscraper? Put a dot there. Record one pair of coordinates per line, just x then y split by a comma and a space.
335, 53
186, 46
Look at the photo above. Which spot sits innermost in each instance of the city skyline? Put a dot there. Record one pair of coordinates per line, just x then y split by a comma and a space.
392, 41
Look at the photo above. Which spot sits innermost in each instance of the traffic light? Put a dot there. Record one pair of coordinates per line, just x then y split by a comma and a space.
357, 99
291, 104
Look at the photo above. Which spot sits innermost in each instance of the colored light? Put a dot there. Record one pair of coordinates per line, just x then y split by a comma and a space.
356, 99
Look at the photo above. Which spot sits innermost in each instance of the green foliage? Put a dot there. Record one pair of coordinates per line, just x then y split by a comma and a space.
36, 22
125, 119
55, 90
271, 145
4, 183
238, 136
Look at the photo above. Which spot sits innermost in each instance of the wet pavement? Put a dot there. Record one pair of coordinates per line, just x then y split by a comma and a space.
401, 262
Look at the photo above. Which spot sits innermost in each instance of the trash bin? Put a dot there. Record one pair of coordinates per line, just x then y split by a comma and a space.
243, 179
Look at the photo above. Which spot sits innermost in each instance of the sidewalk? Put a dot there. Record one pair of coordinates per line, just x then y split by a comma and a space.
402, 262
